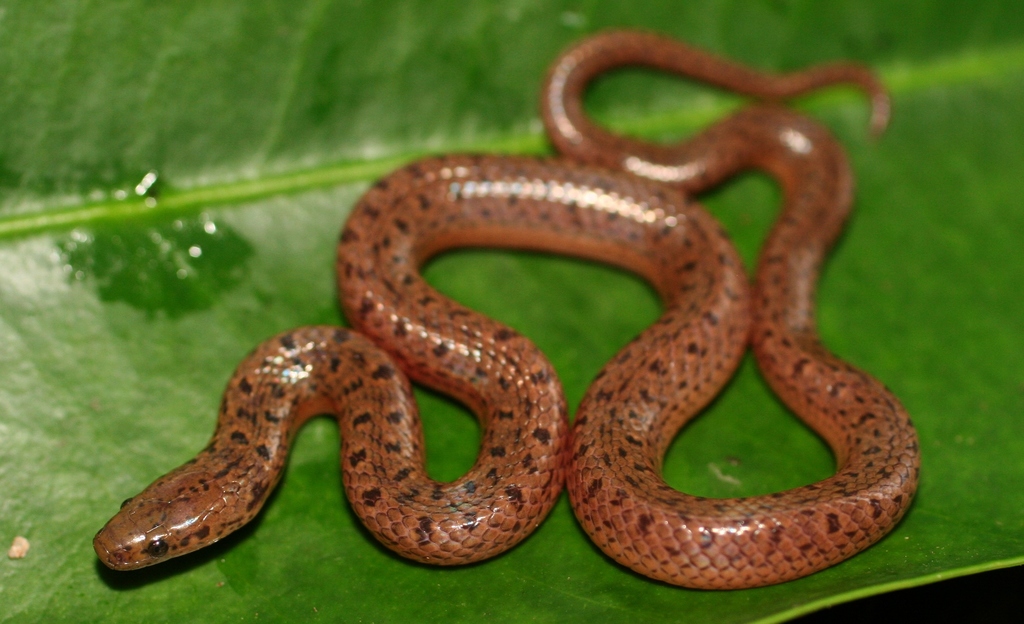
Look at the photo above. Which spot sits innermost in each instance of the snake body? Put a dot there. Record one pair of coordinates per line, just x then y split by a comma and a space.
633, 410
635, 406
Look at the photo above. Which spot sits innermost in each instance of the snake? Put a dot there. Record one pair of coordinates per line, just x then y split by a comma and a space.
657, 384
403, 329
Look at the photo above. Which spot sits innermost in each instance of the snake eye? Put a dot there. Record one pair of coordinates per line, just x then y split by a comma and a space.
125, 503
157, 548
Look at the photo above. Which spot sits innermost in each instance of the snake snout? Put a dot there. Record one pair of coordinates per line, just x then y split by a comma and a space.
120, 546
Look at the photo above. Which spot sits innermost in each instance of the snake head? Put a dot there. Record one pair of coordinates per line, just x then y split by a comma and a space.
179, 513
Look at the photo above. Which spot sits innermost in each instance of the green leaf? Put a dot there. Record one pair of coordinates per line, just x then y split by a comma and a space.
122, 319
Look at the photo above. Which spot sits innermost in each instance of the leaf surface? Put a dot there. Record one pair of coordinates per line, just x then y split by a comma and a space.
121, 320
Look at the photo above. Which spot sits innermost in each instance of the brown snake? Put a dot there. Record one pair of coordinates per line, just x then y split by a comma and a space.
630, 414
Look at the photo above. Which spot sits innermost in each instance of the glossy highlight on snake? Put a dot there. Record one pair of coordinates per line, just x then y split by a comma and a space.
404, 329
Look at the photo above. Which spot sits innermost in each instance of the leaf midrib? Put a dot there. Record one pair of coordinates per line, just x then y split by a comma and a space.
966, 67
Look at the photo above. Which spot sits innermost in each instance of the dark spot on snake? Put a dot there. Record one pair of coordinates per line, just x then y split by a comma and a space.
644, 522
288, 342
402, 226
692, 348
833, 522
497, 451
335, 363
402, 474
203, 532
514, 494
361, 419
393, 447
261, 450
798, 368
470, 487
395, 417
269, 417
223, 472
542, 435
441, 349
357, 457
258, 492
437, 494
383, 372
503, 415
239, 438
426, 525
492, 474
633, 440
370, 497
876, 508
503, 334
594, 486
244, 386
